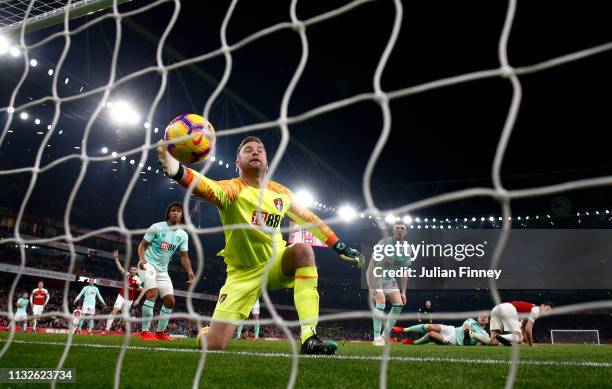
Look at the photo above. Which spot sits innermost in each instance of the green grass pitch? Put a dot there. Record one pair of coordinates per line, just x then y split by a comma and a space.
249, 364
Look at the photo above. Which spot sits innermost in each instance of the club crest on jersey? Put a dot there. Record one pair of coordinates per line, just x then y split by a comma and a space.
278, 203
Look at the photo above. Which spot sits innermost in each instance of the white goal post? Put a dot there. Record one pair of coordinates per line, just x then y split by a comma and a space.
574, 336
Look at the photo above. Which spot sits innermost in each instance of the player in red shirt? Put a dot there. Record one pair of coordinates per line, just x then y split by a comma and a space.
38, 299
76, 320
505, 318
123, 300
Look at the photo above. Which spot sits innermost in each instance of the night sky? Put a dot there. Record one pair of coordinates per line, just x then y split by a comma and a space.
441, 140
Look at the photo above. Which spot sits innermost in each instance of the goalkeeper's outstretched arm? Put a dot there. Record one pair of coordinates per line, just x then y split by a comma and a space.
217, 193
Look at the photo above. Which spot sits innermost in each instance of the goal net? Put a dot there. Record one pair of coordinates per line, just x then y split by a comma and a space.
19, 19
574, 336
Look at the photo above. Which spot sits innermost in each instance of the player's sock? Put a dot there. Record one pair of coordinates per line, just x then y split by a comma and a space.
482, 338
25, 327
147, 314
306, 299
423, 340
80, 324
418, 329
109, 324
378, 322
396, 309
34, 324
256, 328
511, 337
239, 330
164, 317
90, 325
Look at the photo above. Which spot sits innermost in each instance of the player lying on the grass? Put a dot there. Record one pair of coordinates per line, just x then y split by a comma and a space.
124, 301
445, 334
21, 312
504, 318
90, 293
383, 286
155, 251
39, 298
255, 315
248, 250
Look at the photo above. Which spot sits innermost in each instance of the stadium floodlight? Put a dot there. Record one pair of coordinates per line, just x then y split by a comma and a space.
347, 213
433, 220
15, 52
220, 163
4, 45
491, 218
37, 121
123, 158
147, 125
33, 62
50, 72
24, 115
473, 219
155, 130
407, 219
114, 153
482, 219
212, 159
390, 218
132, 162
304, 197
104, 150
122, 112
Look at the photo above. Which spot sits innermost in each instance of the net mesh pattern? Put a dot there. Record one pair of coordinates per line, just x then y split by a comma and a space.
14, 11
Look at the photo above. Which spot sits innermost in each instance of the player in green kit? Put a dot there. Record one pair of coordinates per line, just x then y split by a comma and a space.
248, 250
444, 334
155, 251
382, 285
21, 312
90, 293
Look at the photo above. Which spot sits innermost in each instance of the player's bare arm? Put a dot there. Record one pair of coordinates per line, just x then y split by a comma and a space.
187, 266
120, 268
140, 296
142, 247
529, 332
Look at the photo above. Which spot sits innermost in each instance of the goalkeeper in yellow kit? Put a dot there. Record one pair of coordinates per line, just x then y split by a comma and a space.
248, 250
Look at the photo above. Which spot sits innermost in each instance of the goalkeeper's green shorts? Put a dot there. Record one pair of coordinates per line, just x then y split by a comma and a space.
242, 288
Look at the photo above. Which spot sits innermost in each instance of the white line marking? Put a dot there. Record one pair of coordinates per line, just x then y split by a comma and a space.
486, 361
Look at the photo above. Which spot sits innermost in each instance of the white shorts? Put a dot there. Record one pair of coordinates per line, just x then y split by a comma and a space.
387, 286
19, 316
151, 278
89, 310
37, 309
121, 302
449, 336
504, 318
255, 309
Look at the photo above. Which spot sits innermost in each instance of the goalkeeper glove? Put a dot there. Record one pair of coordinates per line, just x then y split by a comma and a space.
170, 166
348, 254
